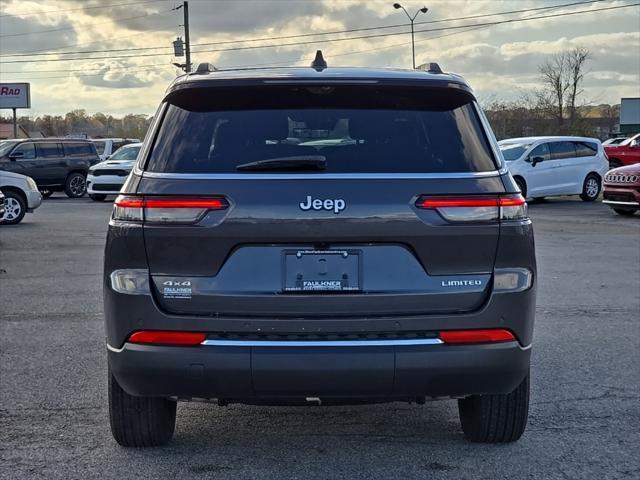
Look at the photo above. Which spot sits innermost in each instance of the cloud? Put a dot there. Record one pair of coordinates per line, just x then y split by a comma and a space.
498, 60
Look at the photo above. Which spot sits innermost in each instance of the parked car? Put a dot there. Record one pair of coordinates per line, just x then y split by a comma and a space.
56, 164
108, 146
243, 268
548, 166
21, 195
106, 178
626, 153
614, 141
622, 189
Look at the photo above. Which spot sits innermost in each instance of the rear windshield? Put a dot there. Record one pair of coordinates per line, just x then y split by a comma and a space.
356, 129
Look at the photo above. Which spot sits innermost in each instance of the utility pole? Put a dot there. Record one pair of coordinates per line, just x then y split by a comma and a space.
187, 42
181, 48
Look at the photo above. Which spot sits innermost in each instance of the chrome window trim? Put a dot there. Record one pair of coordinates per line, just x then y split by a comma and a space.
320, 343
317, 176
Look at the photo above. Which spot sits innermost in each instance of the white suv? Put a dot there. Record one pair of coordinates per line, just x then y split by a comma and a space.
21, 195
548, 166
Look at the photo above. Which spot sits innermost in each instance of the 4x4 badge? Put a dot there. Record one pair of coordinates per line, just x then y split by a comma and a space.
336, 205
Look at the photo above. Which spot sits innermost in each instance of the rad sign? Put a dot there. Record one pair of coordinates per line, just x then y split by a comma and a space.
15, 95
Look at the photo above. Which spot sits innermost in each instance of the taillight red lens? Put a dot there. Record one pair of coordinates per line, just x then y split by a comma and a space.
476, 208
208, 203
165, 209
476, 336
442, 202
151, 337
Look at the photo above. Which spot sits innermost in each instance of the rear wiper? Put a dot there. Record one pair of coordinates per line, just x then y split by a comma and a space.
300, 162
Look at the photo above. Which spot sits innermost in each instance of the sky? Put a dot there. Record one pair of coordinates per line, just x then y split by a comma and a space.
500, 61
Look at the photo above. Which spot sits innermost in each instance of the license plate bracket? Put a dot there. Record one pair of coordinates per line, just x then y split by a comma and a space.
321, 271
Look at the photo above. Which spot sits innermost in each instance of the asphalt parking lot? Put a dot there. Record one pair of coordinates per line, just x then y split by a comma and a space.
584, 418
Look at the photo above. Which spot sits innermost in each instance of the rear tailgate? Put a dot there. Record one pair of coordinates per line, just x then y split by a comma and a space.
233, 259
350, 226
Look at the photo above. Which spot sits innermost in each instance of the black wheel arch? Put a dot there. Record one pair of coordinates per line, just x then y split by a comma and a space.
18, 192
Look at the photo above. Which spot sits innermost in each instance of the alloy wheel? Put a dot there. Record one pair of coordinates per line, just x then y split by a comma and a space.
592, 188
12, 209
77, 185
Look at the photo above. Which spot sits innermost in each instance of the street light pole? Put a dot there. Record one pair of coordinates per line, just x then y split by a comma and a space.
411, 19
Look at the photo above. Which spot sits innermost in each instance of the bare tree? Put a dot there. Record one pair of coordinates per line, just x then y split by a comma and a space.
562, 76
556, 81
576, 60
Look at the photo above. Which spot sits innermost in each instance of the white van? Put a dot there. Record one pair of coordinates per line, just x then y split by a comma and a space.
547, 166
108, 146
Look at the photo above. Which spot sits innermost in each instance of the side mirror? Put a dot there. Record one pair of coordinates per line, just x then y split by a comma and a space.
534, 160
634, 144
16, 155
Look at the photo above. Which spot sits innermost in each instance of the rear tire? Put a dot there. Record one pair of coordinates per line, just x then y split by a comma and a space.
76, 185
495, 418
623, 212
97, 197
139, 421
591, 188
521, 185
15, 208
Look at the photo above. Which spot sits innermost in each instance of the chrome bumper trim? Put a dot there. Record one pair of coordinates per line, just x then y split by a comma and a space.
321, 343
616, 202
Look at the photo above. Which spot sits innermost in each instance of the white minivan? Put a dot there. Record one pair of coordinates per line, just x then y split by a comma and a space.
547, 166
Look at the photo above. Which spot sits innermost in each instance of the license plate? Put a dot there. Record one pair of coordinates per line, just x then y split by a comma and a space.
321, 270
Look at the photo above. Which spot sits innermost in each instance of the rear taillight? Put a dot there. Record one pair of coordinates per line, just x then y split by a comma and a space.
476, 209
167, 337
165, 209
459, 337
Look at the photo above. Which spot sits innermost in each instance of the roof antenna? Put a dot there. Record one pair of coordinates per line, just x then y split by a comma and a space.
319, 62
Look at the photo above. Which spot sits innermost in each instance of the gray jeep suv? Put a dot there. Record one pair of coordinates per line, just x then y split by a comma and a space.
319, 236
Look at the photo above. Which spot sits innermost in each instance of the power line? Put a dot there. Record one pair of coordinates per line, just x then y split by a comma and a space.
97, 74
109, 68
515, 20
286, 37
84, 26
47, 12
83, 44
306, 35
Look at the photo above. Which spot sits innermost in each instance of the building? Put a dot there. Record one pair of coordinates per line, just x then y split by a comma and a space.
630, 116
6, 131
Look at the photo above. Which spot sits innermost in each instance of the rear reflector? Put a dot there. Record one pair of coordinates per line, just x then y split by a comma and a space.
476, 336
151, 337
476, 209
165, 209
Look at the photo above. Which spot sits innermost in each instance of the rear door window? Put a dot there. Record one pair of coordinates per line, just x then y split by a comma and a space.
562, 150
49, 150
356, 129
78, 149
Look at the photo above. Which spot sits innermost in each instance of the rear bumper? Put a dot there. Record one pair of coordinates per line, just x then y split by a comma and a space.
279, 374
